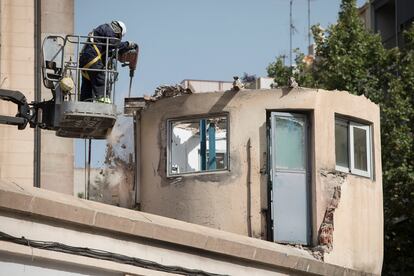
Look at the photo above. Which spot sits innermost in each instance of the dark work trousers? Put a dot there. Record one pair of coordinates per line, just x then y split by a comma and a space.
94, 87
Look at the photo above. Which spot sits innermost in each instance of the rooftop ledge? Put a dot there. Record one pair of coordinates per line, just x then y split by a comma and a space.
69, 209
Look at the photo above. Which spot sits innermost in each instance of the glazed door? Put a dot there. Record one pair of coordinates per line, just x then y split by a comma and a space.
289, 177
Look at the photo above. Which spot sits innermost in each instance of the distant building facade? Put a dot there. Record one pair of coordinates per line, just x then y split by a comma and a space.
389, 18
200, 86
20, 20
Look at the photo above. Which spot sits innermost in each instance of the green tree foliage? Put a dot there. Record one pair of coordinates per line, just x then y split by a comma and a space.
279, 71
397, 128
350, 58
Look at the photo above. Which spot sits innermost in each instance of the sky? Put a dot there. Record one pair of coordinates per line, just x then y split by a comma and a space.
199, 39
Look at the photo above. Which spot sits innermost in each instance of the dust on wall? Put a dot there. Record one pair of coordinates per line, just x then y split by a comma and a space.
115, 183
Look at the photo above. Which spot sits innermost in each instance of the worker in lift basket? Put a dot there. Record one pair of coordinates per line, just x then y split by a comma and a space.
93, 56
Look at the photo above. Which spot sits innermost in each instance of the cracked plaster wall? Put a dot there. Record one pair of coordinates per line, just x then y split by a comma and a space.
219, 200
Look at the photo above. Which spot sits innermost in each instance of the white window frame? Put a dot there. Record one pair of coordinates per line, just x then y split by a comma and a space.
367, 128
351, 125
338, 167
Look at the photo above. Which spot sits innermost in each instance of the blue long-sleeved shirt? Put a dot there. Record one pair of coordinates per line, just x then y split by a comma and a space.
103, 30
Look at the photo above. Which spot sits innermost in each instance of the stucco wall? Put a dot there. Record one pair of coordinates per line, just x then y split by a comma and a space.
220, 199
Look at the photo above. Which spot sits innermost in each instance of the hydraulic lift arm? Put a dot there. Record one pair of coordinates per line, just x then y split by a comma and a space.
24, 111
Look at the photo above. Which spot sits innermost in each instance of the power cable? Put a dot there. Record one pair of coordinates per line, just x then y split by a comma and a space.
104, 255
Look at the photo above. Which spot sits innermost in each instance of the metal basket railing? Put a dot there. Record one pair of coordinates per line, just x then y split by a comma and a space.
61, 57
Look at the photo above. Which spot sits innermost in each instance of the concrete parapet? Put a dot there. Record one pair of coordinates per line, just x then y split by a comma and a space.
65, 219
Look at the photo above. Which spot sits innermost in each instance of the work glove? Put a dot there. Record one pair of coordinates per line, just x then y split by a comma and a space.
132, 45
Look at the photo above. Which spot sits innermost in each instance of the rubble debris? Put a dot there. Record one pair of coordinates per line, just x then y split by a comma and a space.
293, 83
248, 78
237, 84
316, 251
249, 81
168, 91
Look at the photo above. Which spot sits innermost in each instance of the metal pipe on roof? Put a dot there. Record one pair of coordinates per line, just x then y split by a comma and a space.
89, 169
212, 161
137, 151
203, 145
249, 189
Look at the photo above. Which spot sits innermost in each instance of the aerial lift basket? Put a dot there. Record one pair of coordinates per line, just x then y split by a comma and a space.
65, 113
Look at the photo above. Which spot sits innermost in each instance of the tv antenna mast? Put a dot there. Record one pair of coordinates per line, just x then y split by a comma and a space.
309, 27
292, 30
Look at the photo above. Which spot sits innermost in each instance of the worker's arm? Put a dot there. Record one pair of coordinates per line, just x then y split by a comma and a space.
125, 46
106, 31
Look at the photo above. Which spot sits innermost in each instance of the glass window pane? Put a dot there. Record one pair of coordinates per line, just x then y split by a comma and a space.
221, 160
185, 142
341, 144
360, 149
290, 143
198, 145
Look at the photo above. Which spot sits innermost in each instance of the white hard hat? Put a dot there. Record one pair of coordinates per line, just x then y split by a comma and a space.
123, 27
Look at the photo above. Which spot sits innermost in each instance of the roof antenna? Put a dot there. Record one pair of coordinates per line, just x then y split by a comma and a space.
292, 31
309, 28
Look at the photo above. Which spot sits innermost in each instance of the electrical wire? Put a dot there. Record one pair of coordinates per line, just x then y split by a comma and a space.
104, 255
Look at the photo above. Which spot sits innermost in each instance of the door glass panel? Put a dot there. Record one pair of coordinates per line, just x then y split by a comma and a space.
360, 149
290, 143
341, 144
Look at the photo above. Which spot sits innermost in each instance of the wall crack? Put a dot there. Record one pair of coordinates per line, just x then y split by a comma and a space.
332, 180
